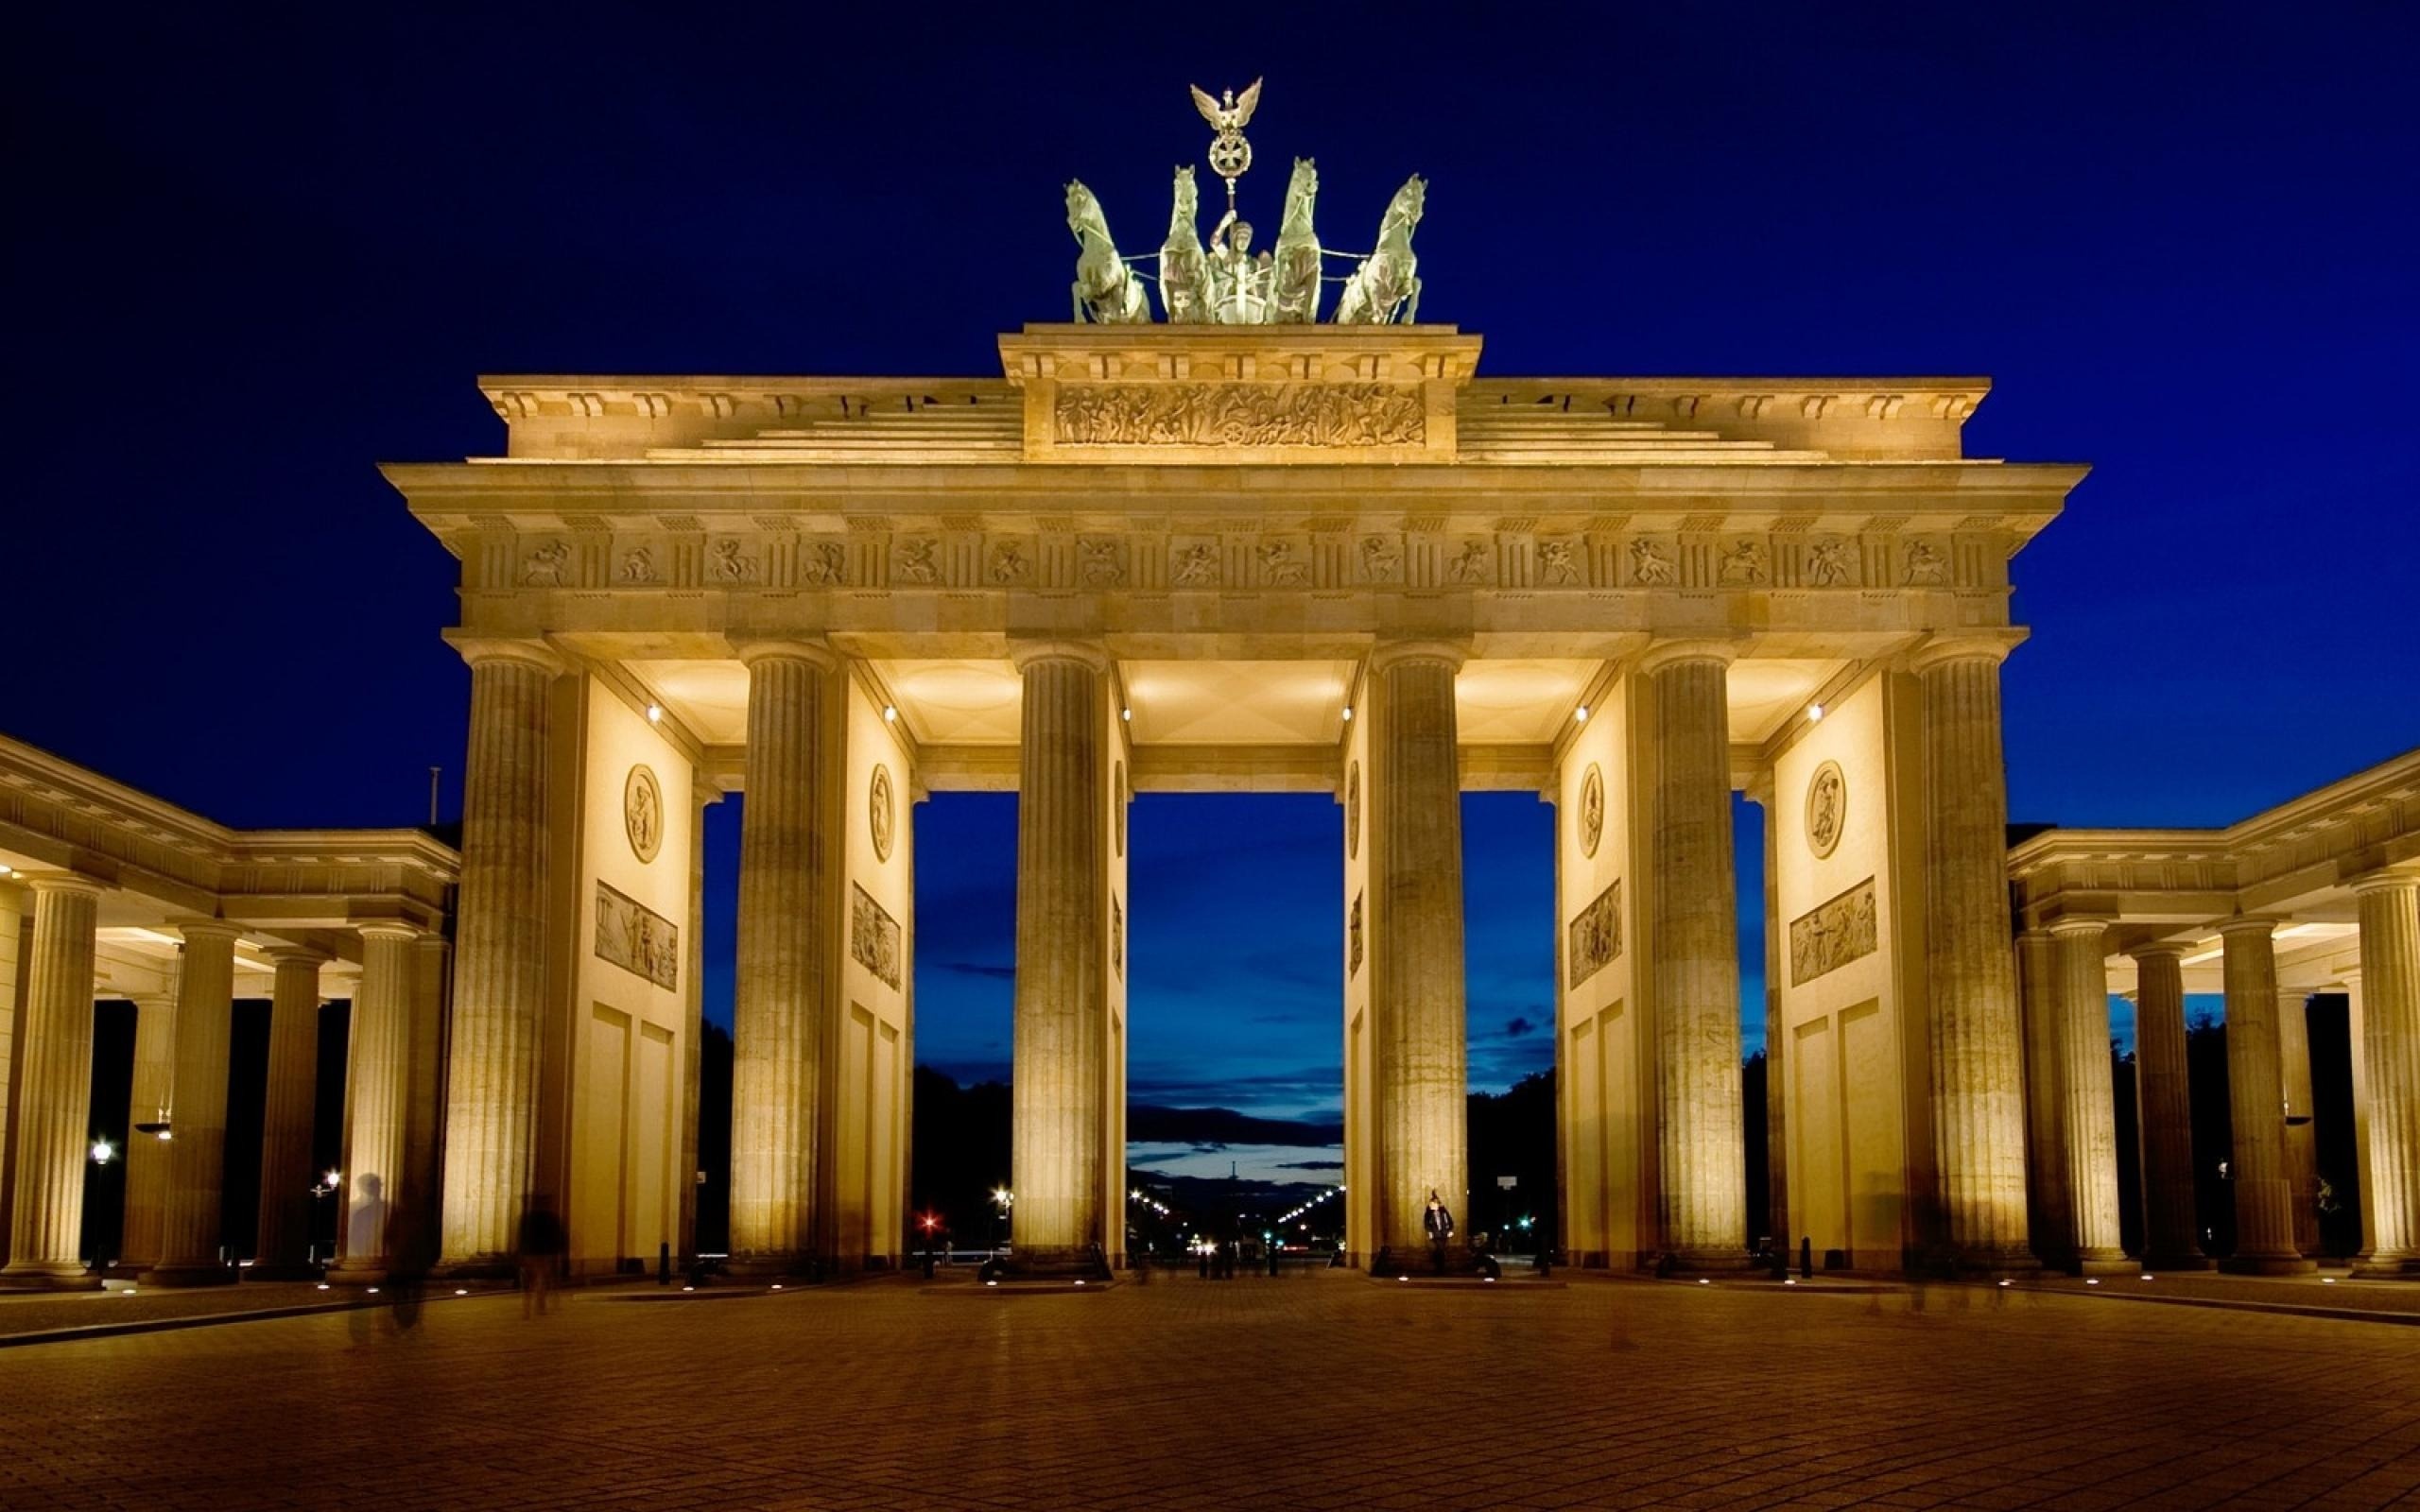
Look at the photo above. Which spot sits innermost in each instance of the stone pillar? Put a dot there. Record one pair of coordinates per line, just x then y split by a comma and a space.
1693, 948
693, 1021
153, 1101
55, 1088
2164, 1106
1058, 1155
2390, 986
2050, 1217
2302, 1134
2264, 1219
373, 1231
786, 930
500, 959
283, 1252
192, 1232
425, 1111
2088, 1107
1976, 1043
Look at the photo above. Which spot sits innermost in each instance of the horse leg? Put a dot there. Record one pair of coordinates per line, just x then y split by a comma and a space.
1412, 310
1076, 289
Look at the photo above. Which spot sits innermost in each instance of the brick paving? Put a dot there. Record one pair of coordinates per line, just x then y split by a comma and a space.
1309, 1391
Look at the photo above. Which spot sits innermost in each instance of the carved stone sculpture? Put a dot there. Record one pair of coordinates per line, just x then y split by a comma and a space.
1827, 563
1650, 562
1926, 565
1558, 564
1827, 805
1239, 415
1590, 818
824, 563
916, 563
638, 565
543, 567
732, 563
1743, 564
1184, 271
1833, 934
1381, 561
1294, 276
1106, 291
1010, 563
1197, 566
1596, 935
1281, 568
1470, 563
1104, 562
1387, 285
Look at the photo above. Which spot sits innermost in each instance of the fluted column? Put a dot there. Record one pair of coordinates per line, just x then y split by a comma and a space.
2050, 1217
283, 1252
693, 1021
373, 1232
1057, 1145
500, 959
55, 1088
2390, 918
152, 1101
425, 1111
785, 937
1976, 1043
2164, 1106
2301, 1132
191, 1232
2088, 1107
1693, 946
2264, 1219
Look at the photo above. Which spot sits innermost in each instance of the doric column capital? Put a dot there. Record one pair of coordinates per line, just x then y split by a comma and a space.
1665, 652
1396, 653
387, 929
1089, 653
2079, 924
2264, 926
2171, 949
195, 931
481, 650
1944, 646
70, 883
816, 653
2386, 879
296, 958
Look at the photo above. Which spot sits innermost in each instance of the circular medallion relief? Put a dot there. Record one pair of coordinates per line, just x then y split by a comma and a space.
880, 814
1592, 809
1124, 798
643, 814
1827, 808
1352, 811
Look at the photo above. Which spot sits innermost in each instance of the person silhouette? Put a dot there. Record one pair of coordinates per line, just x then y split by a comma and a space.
1439, 1222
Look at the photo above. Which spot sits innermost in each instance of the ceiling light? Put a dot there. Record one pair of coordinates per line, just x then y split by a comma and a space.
1348, 714
1579, 715
1127, 714
1814, 712
889, 714
655, 714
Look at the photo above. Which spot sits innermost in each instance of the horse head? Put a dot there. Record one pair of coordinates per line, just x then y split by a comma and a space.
1187, 204
1302, 194
1405, 211
1084, 217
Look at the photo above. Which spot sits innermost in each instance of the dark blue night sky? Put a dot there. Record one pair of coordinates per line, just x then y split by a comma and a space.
247, 260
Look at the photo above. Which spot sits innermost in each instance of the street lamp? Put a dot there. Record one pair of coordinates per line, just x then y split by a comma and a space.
103, 1151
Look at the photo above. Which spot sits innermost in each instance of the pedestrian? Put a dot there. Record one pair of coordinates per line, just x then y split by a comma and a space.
1439, 1221
407, 1266
542, 1242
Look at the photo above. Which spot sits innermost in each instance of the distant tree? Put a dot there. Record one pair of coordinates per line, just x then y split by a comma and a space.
2205, 1071
1513, 1133
960, 1155
714, 1140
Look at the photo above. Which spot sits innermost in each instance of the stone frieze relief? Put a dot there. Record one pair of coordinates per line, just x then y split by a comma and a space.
1305, 415
1832, 934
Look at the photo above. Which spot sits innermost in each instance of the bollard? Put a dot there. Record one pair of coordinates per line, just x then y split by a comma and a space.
663, 1265
1806, 1257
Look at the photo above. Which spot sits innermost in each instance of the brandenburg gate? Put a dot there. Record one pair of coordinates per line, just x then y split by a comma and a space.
1237, 557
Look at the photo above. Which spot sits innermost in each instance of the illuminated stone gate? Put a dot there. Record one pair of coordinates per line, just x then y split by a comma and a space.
1237, 557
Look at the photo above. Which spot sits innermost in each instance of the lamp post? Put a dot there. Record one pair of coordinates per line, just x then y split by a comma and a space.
330, 1182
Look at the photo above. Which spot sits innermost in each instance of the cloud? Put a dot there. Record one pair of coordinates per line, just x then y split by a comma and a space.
997, 974
1517, 1026
1309, 1165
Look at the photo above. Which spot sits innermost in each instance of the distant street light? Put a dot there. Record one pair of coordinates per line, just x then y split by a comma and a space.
102, 1152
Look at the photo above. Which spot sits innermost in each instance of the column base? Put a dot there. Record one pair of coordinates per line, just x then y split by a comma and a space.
188, 1276
1047, 1265
2104, 1265
37, 1276
2268, 1265
775, 1266
341, 1274
2386, 1267
1693, 1262
2193, 1259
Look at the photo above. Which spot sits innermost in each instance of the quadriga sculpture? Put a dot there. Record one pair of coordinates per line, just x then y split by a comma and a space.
1106, 291
1294, 284
1183, 269
1387, 282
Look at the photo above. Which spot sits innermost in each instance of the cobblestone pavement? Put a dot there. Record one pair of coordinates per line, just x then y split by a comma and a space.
1318, 1391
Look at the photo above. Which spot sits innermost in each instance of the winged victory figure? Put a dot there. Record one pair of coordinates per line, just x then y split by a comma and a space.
1230, 117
